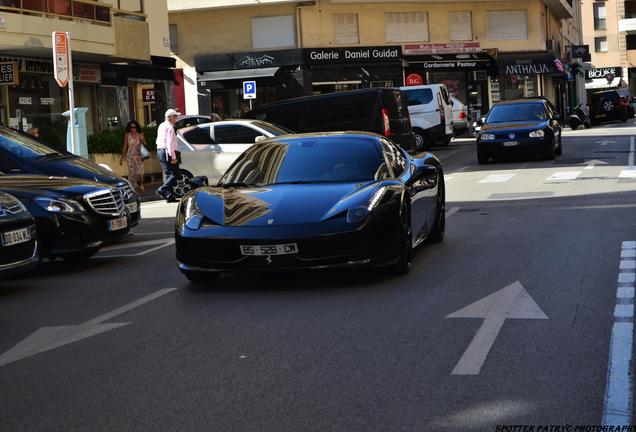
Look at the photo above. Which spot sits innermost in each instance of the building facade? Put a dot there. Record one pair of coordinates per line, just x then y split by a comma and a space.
611, 34
121, 63
484, 51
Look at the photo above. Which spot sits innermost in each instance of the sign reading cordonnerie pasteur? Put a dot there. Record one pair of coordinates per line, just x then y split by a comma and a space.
377, 54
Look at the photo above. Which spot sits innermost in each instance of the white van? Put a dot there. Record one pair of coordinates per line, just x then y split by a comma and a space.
430, 109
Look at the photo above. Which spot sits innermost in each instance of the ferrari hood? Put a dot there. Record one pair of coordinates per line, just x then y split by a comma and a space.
280, 204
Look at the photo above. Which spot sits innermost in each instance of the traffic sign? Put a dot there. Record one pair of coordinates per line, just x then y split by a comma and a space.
61, 58
249, 89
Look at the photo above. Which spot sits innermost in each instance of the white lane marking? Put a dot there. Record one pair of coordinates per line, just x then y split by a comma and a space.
511, 302
153, 233
48, 338
617, 405
628, 253
447, 155
497, 178
564, 175
452, 211
593, 162
464, 168
631, 153
164, 244
628, 265
627, 174
132, 245
523, 166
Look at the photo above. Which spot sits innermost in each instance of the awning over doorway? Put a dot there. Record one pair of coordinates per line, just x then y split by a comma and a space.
529, 63
601, 83
238, 74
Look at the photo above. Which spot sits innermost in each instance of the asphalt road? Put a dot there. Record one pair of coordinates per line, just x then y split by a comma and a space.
123, 342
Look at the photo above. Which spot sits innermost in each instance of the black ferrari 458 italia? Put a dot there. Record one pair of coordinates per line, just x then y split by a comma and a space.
313, 201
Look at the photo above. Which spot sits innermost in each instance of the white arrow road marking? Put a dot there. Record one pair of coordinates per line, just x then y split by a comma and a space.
497, 178
48, 338
630, 162
606, 142
452, 211
161, 243
590, 163
564, 175
512, 302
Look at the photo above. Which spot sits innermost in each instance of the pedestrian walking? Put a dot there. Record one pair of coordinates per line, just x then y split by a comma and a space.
133, 140
167, 155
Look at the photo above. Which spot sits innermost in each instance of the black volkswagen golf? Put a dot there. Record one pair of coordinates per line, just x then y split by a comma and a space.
20, 154
18, 244
74, 217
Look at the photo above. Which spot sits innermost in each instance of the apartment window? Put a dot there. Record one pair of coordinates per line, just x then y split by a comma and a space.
461, 26
273, 32
346, 28
174, 41
503, 25
600, 44
599, 16
406, 26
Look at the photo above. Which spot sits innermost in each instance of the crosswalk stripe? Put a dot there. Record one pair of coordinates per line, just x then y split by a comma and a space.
564, 175
627, 174
497, 178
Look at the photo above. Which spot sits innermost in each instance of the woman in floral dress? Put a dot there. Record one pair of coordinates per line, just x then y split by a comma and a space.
133, 139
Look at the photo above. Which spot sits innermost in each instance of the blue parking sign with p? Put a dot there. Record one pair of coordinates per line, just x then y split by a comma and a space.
249, 89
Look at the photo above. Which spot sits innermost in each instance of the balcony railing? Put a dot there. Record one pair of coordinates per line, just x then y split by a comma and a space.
82, 10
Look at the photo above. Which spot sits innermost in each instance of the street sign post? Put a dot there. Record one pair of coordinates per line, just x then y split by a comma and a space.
249, 91
63, 73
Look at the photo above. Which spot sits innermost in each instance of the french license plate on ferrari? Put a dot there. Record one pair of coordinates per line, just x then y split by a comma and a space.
16, 237
510, 143
262, 250
132, 207
117, 224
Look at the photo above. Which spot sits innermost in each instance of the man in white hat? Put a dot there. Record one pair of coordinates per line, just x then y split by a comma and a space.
167, 155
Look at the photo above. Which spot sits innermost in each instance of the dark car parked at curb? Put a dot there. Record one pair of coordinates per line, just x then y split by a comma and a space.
313, 201
20, 154
74, 217
609, 106
523, 126
18, 241
380, 110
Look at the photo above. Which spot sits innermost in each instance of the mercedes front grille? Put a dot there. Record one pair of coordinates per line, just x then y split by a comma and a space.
106, 201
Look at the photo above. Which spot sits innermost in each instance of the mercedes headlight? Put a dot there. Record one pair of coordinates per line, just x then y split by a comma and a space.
359, 213
536, 134
59, 205
487, 137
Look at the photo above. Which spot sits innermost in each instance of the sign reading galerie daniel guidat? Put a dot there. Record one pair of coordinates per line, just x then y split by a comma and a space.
377, 54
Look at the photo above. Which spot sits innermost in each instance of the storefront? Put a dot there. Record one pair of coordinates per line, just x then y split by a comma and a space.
530, 74
606, 78
463, 67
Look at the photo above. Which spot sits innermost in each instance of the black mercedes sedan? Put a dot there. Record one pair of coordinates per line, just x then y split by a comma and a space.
74, 217
20, 154
18, 243
524, 126
313, 201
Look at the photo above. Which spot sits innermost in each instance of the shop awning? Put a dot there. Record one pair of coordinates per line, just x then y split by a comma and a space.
238, 74
529, 63
601, 83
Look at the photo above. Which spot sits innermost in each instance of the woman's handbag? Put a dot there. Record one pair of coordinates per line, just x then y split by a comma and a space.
143, 151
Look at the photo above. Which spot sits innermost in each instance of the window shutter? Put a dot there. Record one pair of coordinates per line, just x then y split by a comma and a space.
346, 28
461, 26
406, 26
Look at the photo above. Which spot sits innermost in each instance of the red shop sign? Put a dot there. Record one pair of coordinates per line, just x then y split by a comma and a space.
414, 79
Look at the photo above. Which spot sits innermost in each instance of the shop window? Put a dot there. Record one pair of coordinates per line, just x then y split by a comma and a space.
406, 26
599, 16
502, 25
235, 135
273, 32
461, 26
109, 107
600, 44
514, 87
346, 28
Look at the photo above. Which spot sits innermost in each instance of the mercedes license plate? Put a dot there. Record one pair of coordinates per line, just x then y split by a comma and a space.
510, 143
16, 237
261, 250
132, 207
117, 224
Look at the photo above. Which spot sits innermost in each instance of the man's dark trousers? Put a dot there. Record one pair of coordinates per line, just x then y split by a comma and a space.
171, 173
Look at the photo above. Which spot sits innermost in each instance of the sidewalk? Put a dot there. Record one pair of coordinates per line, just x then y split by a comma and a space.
149, 192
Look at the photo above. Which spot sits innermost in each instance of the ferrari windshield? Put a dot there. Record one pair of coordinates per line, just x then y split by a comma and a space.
307, 160
514, 112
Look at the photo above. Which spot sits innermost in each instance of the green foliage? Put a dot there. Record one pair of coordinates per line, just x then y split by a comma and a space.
112, 141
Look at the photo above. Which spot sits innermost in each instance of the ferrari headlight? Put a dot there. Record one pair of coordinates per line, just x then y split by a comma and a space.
192, 215
59, 205
359, 213
487, 137
536, 134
